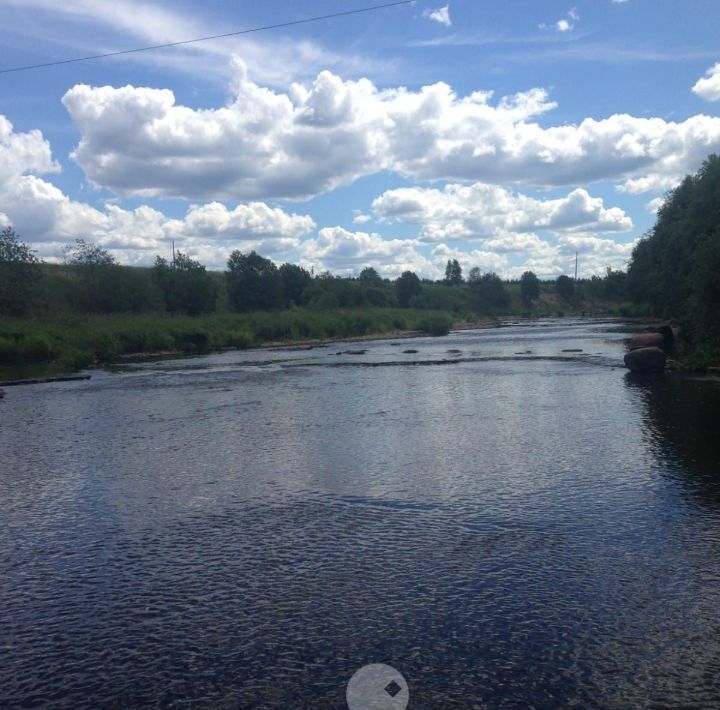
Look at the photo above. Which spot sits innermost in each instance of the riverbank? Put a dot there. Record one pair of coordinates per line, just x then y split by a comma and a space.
40, 346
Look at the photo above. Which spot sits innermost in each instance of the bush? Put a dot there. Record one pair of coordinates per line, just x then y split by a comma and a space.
240, 339
194, 341
37, 348
9, 352
76, 359
102, 346
435, 325
142, 341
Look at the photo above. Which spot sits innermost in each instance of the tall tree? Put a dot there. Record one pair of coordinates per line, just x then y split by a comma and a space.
474, 275
675, 267
489, 290
529, 287
565, 287
371, 277
94, 277
253, 282
19, 272
453, 273
98, 284
186, 285
295, 283
407, 286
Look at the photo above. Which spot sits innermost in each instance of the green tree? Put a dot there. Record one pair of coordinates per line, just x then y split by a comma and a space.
529, 287
489, 290
453, 273
98, 284
674, 268
95, 278
186, 285
565, 287
19, 272
295, 283
253, 282
474, 275
371, 277
407, 287
86, 254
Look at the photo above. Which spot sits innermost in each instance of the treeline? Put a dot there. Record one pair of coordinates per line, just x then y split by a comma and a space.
675, 267
90, 281
91, 309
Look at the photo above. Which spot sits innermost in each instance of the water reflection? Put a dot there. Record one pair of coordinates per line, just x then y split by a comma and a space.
245, 530
680, 414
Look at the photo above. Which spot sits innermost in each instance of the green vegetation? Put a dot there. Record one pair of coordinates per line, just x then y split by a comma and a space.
675, 268
79, 340
185, 285
19, 272
565, 287
453, 273
90, 309
529, 287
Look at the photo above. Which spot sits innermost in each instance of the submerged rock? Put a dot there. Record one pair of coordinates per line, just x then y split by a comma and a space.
651, 359
410, 351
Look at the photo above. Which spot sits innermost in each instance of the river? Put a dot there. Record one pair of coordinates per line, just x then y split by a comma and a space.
506, 524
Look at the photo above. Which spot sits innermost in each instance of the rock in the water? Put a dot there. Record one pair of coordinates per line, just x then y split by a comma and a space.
2, 392
647, 340
650, 359
409, 351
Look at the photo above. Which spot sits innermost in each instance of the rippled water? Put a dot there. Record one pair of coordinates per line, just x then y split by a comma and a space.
509, 525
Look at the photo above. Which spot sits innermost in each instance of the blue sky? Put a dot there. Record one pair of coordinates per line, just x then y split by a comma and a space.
509, 135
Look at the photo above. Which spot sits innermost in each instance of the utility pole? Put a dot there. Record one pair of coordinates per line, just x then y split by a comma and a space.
173, 243
576, 255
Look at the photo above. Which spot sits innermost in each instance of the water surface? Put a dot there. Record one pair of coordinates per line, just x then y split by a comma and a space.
507, 524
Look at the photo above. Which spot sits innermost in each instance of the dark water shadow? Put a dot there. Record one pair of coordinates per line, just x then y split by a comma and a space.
680, 418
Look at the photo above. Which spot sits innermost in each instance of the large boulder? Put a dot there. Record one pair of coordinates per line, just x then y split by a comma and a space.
647, 340
650, 359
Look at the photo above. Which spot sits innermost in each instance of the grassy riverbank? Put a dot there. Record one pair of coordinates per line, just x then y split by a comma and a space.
74, 341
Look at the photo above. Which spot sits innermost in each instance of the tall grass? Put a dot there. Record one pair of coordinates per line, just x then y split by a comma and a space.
76, 341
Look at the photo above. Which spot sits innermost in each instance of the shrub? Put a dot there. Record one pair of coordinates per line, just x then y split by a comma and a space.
435, 325
37, 348
76, 359
102, 346
9, 352
240, 339
195, 340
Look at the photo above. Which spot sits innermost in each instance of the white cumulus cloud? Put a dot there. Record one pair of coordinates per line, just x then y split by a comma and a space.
708, 87
488, 212
266, 144
23, 153
47, 218
346, 253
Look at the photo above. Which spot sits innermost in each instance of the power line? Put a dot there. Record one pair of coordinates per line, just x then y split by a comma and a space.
279, 25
